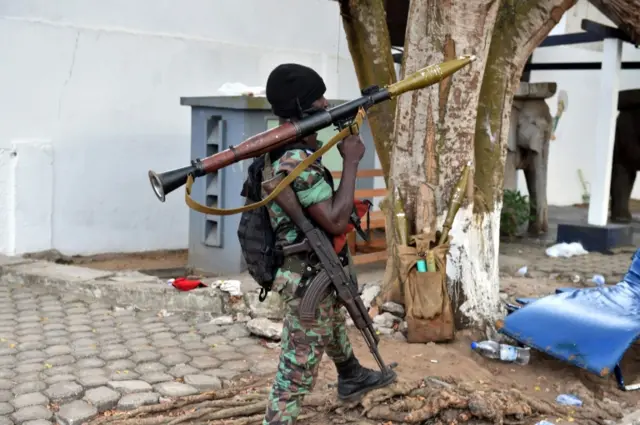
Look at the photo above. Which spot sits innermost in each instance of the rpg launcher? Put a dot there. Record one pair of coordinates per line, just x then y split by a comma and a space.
340, 116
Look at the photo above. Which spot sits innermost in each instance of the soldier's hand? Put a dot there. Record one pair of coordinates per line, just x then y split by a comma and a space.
351, 148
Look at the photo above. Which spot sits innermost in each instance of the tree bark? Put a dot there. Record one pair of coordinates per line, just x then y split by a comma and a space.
367, 34
624, 13
465, 119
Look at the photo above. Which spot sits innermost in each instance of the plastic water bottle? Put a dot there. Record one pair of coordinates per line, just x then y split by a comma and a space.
504, 352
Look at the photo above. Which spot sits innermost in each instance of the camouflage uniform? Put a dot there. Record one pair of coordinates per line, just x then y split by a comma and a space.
302, 346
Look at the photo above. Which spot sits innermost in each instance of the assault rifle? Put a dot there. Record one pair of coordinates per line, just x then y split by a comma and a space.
331, 274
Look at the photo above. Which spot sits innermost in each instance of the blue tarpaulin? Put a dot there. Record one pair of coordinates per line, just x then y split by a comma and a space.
590, 328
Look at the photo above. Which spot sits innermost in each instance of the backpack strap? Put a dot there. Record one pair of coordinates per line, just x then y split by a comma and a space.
354, 128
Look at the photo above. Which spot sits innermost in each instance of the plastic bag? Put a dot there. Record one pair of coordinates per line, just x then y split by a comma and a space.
566, 250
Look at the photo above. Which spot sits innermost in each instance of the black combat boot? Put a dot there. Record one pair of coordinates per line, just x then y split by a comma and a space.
354, 380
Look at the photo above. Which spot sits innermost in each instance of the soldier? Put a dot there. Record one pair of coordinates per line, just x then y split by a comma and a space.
294, 91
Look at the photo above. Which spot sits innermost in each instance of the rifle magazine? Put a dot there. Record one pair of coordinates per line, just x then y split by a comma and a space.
316, 291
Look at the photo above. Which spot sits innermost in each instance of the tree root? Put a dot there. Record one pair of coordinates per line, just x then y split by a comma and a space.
190, 406
438, 401
250, 420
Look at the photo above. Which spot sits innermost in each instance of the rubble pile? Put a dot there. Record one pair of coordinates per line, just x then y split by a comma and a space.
263, 319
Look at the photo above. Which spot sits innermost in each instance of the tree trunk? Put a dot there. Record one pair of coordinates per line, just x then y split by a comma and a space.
466, 119
623, 13
366, 29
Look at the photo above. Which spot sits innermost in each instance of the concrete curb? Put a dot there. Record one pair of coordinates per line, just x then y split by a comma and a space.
132, 288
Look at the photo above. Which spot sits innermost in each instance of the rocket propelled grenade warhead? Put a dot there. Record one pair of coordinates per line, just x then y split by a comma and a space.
457, 195
430, 75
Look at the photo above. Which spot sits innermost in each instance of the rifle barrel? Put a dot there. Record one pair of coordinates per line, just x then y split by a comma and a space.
373, 348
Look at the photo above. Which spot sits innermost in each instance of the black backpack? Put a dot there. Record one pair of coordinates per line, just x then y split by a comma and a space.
256, 236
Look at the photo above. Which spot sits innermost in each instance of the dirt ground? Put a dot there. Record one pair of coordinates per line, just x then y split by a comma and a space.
544, 378
142, 261
516, 287
150, 260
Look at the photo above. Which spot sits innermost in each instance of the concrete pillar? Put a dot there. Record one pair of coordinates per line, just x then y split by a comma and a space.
605, 132
598, 234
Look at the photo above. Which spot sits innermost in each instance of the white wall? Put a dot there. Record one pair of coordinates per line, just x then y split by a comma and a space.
573, 147
583, 9
90, 102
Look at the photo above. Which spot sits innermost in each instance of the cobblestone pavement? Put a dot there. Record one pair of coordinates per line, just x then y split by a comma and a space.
64, 360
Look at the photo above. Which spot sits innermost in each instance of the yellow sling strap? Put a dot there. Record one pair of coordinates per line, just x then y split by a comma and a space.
354, 128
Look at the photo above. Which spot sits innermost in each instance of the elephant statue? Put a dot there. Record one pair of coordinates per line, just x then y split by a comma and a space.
626, 155
528, 147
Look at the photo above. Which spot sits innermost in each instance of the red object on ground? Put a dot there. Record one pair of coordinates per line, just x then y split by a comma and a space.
184, 284
362, 207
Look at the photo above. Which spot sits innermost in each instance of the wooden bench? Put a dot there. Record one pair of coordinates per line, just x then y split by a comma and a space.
375, 249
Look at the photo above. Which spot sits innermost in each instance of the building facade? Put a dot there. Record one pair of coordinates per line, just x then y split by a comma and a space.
91, 101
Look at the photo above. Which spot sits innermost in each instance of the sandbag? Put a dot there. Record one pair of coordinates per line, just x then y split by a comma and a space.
428, 309
395, 290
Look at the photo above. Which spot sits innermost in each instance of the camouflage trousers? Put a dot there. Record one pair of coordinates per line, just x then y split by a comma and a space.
302, 348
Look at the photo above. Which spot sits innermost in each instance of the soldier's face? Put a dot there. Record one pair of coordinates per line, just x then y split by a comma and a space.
321, 103
312, 139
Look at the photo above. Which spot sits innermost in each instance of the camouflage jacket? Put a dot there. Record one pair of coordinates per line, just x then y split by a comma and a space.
311, 188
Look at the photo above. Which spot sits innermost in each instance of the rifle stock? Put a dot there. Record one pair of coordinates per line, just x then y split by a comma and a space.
333, 273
